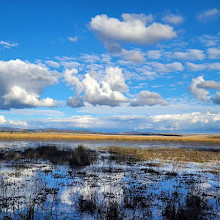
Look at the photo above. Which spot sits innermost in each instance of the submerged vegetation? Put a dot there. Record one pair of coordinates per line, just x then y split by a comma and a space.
176, 154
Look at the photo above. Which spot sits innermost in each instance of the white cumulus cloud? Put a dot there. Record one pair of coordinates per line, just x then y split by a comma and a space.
52, 63
75, 102
22, 83
196, 67
132, 29
214, 53
210, 40
2, 119
216, 98
15, 123
18, 96
107, 91
154, 54
72, 79
167, 67
190, 54
133, 55
209, 85
214, 66
199, 88
106, 88
148, 98
198, 92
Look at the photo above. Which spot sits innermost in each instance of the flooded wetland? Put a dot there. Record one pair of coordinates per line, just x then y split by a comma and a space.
109, 180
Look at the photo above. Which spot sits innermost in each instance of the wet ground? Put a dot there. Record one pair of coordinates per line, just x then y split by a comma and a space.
110, 188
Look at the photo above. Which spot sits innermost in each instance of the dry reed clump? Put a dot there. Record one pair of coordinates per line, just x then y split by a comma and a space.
212, 139
177, 154
80, 156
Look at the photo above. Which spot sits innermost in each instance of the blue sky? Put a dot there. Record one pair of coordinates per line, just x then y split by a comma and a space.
110, 65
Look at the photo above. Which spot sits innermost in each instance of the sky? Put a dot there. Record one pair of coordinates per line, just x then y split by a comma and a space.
111, 66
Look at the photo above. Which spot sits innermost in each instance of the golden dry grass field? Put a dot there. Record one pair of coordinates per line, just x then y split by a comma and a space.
7, 136
177, 154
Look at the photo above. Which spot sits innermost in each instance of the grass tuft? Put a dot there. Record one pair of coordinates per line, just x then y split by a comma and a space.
80, 156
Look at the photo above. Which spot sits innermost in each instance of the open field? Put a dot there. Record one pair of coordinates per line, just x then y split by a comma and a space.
68, 136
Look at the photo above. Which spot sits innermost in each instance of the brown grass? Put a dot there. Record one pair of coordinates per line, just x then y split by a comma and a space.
68, 136
79, 156
178, 154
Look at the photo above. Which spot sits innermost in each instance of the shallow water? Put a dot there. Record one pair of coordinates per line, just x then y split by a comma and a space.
100, 143
109, 188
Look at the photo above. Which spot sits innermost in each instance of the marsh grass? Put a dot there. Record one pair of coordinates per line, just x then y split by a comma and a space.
194, 207
209, 139
176, 154
112, 209
80, 156
14, 206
